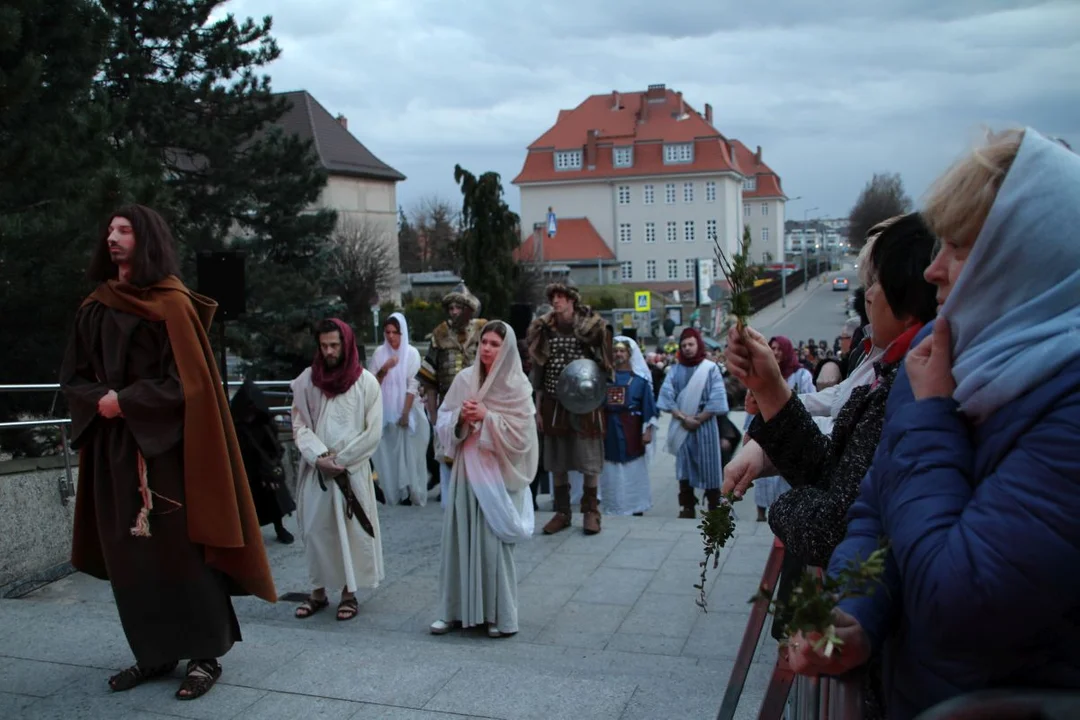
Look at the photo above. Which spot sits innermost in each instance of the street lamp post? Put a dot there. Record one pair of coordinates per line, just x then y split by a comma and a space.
783, 265
805, 260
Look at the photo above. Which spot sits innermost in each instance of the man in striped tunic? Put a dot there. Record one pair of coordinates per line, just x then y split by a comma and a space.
694, 394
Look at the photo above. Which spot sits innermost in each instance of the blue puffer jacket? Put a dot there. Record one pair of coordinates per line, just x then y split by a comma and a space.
983, 585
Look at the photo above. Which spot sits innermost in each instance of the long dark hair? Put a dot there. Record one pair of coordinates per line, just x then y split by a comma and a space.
155, 249
499, 328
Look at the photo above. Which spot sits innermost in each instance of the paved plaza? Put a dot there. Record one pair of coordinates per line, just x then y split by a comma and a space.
609, 629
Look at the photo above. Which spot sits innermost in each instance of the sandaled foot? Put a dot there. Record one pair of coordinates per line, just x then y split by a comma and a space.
135, 676
348, 608
311, 606
441, 627
201, 676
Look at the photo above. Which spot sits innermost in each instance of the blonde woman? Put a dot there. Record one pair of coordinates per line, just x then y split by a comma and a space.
975, 480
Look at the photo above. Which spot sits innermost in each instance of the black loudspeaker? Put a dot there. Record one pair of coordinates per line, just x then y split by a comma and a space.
221, 277
521, 315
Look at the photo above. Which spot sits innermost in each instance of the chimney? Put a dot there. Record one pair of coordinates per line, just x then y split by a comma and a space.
682, 104
614, 99
590, 150
757, 155
344, 121
708, 113
656, 92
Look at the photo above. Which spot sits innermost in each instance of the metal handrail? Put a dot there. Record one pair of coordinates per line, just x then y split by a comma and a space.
53, 387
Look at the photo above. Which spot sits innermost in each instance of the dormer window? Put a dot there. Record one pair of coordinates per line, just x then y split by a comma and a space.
750, 184
624, 157
568, 160
676, 153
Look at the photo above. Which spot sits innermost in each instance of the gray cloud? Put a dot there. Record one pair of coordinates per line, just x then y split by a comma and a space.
832, 91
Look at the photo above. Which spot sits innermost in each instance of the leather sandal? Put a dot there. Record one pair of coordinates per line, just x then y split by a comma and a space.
201, 676
135, 675
348, 608
311, 606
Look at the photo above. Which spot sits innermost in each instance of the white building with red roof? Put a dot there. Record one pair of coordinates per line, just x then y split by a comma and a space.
640, 183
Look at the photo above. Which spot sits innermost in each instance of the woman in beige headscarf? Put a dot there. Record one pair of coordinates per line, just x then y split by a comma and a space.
488, 421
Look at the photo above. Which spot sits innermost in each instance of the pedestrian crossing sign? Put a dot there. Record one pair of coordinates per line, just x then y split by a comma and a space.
643, 301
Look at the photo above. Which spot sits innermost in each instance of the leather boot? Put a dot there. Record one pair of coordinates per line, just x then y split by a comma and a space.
590, 511
687, 501
712, 497
561, 519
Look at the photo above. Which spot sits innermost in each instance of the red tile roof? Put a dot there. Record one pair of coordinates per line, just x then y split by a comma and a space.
750, 164
576, 240
621, 119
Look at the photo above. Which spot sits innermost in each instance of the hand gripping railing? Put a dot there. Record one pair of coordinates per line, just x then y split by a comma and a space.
795, 697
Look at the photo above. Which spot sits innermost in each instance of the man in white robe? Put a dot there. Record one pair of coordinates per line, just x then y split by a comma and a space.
337, 425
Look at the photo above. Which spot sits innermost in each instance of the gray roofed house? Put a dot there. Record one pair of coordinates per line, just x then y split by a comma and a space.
340, 152
360, 187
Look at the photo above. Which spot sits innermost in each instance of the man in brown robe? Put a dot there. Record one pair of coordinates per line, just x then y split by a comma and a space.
163, 508
571, 442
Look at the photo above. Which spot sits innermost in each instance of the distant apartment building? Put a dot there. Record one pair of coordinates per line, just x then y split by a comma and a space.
642, 184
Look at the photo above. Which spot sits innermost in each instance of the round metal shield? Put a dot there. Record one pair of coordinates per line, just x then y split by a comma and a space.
582, 386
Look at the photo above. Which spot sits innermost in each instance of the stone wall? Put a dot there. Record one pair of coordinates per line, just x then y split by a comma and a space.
36, 521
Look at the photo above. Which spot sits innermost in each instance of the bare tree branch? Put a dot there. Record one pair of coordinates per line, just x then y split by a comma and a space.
362, 265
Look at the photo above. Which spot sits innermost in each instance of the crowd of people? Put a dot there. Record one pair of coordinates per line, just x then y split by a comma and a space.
941, 421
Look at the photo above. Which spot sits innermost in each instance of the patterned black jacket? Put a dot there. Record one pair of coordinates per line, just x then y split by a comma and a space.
825, 470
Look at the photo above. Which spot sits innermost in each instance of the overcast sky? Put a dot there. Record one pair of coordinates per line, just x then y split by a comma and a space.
833, 91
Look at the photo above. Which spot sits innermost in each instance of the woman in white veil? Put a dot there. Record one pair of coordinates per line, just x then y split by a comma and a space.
488, 421
400, 460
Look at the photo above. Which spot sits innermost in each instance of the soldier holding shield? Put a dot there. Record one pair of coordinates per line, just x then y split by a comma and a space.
573, 430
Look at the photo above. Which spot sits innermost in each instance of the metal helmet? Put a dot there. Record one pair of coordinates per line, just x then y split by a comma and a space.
581, 387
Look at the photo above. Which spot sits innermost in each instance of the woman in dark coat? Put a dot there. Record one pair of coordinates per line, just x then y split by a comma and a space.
262, 453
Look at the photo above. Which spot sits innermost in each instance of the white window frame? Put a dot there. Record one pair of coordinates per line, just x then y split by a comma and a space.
568, 159
688, 231
650, 233
672, 231
650, 269
626, 233
765, 209
678, 153
669, 193
710, 230
690, 265
623, 193
746, 209
623, 156
672, 269
688, 192
648, 194
710, 191
626, 270
749, 184
764, 235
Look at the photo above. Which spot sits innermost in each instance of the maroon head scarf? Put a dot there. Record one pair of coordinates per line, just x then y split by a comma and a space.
696, 359
338, 380
789, 359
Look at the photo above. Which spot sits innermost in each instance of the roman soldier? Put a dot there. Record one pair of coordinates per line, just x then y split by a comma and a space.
572, 330
453, 347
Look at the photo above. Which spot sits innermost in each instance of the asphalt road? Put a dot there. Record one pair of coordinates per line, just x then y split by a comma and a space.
820, 316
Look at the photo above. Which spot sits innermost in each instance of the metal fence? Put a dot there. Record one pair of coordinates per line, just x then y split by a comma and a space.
67, 483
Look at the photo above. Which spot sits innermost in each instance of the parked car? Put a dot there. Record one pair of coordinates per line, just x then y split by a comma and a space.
840, 283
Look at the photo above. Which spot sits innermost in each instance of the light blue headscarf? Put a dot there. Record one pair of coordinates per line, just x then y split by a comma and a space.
1015, 309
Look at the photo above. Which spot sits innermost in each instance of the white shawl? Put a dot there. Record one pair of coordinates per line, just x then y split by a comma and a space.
689, 401
505, 457
395, 384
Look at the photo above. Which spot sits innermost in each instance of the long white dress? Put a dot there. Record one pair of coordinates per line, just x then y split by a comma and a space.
490, 507
401, 458
339, 552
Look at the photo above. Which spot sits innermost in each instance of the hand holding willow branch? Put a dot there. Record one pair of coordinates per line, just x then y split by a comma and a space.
810, 608
717, 526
